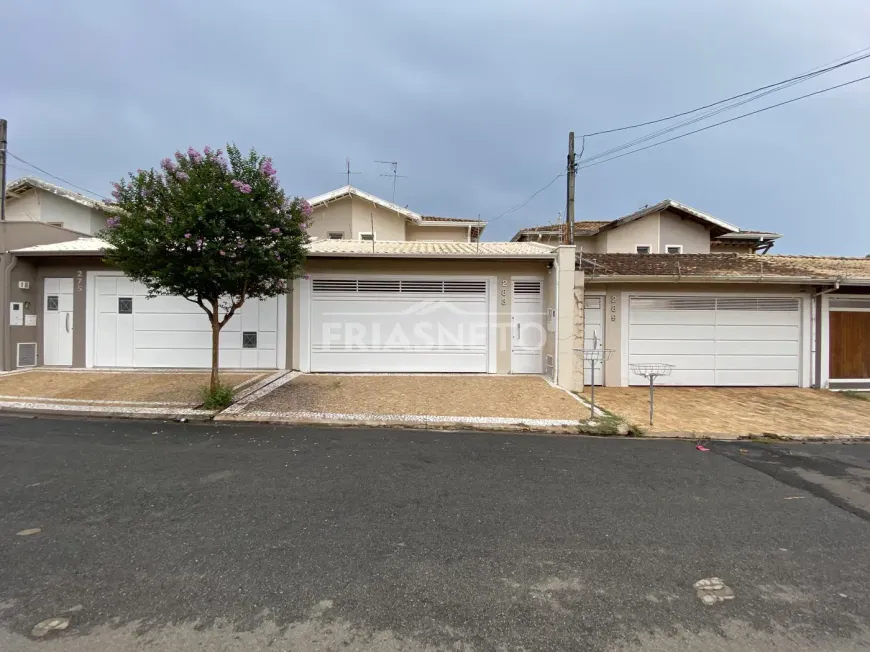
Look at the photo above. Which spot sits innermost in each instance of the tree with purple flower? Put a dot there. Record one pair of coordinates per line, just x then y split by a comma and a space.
221, 208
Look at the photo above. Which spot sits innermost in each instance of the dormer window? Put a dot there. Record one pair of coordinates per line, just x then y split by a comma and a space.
366, 235
674, 249
643, 249
335, 235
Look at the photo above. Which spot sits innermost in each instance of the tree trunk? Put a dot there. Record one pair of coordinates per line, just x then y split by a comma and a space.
215, 350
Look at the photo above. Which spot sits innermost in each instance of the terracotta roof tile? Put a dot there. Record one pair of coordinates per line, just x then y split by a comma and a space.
724, 265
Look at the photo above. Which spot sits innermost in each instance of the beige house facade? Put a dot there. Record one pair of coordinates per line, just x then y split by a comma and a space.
389, 290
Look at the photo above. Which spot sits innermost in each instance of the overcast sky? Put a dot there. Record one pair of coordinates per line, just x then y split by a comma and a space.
474, 98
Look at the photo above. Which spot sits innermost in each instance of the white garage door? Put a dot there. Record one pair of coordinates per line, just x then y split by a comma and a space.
717, 340
131, 330
399, 324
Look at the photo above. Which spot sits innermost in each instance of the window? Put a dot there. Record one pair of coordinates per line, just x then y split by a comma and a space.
249, 340
674, 249
366, 235
335, 235
643, 249
51, 303
125, 305
55, 223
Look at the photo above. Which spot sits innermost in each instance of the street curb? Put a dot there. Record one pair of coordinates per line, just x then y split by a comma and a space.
129, 412
696, 436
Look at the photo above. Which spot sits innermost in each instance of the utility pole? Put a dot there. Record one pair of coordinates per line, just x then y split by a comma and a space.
572, 175
2, 170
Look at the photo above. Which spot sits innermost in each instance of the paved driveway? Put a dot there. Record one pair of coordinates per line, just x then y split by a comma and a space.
740, 410
178, 537
424, 395
132, 387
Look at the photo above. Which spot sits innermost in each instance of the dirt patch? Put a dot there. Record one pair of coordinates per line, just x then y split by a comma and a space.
133, 387
457, 396
740, 411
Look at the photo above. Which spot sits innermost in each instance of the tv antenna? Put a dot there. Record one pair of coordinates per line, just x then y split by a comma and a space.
347, 171
395, 175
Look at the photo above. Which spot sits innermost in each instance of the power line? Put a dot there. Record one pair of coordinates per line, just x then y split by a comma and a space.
717, 124
54, 176
807, 75
708, 114
526, 202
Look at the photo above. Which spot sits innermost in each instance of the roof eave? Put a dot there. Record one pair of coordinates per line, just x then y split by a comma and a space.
673, 278
375, 254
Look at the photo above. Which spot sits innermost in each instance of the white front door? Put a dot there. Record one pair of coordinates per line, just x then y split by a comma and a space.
57, 321
527, 333
593, 337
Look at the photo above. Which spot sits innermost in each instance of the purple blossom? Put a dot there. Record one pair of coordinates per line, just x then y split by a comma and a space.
221, 252
240, 244
241, 186
116, 185
305, 207
206, 150
113, 221
181, 175
187, 236
115, 194
195, 156
307, 277
276, 230
179, 156
199, 244
266, 168
168, 165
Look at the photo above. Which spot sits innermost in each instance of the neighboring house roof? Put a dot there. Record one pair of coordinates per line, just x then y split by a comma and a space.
721, 229
587, 227
20, 186
417, 218
670, 204
71, 247
94, 246
419, 249
723, 267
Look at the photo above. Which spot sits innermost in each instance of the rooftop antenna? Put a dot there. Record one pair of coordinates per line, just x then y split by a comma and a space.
395, 174
347, 171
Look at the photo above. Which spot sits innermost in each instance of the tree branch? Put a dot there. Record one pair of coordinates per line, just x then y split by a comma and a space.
236, 304
203, 306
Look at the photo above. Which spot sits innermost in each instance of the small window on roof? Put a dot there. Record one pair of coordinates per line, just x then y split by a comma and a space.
366, 235
643, 249
55, 223
335, 235
674, 249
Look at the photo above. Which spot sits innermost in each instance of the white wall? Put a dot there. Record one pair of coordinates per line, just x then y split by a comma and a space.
335, 216
625, 238
25, 208
437, 233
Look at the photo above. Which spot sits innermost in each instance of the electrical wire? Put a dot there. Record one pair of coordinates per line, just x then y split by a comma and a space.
706, 115
530, 198
54, 176
590, 164
807, 75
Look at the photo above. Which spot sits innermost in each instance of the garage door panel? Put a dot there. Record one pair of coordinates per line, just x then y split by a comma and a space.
757, 318
672, 332
701, 378
757, 333
755, 340
758, 362
160, 305
172, 322
399, 324
750, 348
684, 362
677, 347
691, 317
761, 378
179, 339
171, 332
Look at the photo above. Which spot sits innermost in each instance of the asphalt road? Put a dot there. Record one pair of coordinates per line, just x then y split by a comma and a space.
202, 537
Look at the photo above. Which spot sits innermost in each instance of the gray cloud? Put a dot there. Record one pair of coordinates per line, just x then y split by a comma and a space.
474, 99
